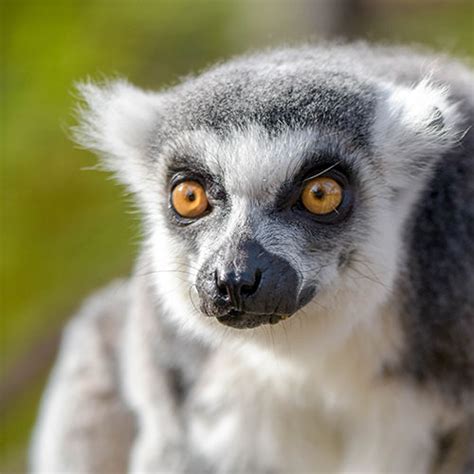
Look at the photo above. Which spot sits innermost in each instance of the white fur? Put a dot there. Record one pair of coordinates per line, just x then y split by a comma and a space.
408, 132
144, 383
116, 121
83, 395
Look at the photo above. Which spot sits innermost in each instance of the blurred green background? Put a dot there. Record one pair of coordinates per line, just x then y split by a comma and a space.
66, 230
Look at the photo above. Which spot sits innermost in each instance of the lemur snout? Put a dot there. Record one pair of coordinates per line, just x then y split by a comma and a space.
243, 285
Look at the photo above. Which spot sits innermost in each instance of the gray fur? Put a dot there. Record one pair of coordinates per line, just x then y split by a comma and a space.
374, 370
438, 287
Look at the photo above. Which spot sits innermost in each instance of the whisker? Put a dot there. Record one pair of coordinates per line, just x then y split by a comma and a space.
320, 173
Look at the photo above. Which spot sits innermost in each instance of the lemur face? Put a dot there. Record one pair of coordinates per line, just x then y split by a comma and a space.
266, 200
272, 192
265, 220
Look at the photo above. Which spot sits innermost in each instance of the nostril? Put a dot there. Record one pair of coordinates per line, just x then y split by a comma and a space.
250, 289
228, 289
221, 285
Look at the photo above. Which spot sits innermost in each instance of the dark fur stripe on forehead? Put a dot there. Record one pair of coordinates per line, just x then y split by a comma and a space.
274, 98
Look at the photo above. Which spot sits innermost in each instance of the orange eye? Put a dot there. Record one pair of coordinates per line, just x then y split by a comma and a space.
189, 199
322, 195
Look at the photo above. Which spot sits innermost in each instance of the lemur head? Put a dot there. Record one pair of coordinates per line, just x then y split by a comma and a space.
274, 187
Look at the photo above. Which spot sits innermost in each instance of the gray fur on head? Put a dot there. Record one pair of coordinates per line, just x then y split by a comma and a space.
366, 365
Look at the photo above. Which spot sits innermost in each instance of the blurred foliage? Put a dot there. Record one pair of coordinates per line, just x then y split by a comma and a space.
65, 231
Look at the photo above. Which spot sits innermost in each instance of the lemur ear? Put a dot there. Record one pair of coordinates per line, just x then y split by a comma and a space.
116, 120
413, 128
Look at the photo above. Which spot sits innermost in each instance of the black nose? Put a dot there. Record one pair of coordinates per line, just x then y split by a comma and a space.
236, 286
244, 285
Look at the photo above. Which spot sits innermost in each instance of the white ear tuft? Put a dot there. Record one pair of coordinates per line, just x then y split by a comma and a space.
414, 126
116, 120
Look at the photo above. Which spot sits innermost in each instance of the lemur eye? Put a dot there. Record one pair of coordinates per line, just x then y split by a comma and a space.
189, 199
322, 195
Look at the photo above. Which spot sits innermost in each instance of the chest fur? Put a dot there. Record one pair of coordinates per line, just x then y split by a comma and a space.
241, 420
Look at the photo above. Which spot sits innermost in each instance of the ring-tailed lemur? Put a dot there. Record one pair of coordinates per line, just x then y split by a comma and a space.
304, 300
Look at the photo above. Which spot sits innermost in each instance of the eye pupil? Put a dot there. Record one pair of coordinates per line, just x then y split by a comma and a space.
190, 196
317, 192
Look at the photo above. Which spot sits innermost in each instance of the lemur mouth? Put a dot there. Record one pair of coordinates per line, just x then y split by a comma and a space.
244, 320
